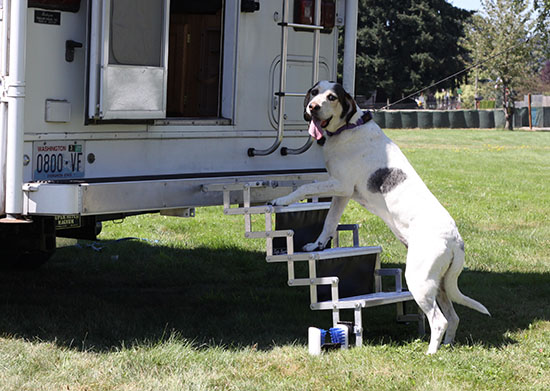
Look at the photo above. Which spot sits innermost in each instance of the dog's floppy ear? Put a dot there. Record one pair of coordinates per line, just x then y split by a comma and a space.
307, 117
349, 107
307, 99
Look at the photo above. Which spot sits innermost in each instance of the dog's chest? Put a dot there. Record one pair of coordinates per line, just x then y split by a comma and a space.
354, 152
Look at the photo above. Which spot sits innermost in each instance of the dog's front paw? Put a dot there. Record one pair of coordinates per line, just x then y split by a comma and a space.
279, 202
317, 246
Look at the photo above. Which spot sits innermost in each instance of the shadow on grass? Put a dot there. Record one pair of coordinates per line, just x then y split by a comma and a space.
134, 292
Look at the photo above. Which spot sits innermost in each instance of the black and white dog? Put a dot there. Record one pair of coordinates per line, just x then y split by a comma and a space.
365, 165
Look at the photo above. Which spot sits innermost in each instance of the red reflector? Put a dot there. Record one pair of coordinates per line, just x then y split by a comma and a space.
304, 12
328, 14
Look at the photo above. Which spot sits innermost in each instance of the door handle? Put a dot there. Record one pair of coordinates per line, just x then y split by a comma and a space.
70, 46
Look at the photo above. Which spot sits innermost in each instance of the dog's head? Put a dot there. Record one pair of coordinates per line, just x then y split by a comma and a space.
328, 107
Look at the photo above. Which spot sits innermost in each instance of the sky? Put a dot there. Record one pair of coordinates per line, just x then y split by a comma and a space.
471, 5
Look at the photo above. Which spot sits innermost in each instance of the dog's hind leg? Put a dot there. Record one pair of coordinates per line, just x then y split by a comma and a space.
423, 277
425, 296
446, 306
335, 212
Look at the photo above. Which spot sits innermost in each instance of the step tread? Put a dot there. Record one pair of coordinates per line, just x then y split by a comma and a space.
330, 253
367, 300
301, 207
233, 186
298, 207
378, 296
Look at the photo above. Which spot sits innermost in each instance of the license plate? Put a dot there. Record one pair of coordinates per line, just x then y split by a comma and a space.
55, 160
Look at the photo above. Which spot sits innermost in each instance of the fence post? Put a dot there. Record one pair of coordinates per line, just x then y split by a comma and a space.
530, 115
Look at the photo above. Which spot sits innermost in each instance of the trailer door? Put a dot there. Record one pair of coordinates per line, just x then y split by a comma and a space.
128, 59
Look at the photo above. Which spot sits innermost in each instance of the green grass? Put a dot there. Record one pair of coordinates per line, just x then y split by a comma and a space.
195, 306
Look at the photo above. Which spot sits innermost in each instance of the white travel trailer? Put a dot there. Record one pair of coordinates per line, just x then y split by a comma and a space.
117, 107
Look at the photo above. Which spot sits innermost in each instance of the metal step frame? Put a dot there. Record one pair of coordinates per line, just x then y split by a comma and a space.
396, 296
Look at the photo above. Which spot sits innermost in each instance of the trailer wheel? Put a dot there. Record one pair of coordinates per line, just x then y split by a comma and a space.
27, 246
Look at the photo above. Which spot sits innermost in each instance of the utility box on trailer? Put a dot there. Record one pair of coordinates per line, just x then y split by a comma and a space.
117, 107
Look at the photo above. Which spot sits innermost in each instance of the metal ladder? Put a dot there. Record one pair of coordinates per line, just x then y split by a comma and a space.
282, 93
335, 304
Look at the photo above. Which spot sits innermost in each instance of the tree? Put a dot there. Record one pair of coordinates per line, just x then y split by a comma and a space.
502, 37
542, 7
545, 77
406, 45
545, 73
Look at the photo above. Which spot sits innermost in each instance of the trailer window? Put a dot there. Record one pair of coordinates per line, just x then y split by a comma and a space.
128, 59
134, 39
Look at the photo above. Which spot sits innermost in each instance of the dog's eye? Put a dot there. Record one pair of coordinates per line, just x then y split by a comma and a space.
314, 92
332, 98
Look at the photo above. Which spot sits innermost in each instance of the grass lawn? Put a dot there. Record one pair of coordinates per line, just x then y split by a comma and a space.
194, 306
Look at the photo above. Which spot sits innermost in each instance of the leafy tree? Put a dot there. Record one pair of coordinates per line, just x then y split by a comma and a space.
542, 7
406, 45
502, 37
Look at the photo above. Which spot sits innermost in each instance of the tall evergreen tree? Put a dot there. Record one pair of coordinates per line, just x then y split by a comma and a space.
406, 45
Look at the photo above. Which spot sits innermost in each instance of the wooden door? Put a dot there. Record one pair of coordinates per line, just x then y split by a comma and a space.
194, 65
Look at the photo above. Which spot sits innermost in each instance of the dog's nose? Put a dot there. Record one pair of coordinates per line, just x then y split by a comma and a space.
314, 107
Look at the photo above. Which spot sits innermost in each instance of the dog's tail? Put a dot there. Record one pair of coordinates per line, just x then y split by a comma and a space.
450, 281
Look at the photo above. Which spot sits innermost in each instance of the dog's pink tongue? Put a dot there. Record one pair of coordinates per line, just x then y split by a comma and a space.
315, 129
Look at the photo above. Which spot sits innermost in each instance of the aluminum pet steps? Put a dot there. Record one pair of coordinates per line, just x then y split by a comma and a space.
356, 303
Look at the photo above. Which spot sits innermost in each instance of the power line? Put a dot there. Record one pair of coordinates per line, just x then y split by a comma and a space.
456, 74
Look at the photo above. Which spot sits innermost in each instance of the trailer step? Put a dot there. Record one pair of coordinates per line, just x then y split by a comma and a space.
329, 253
313, 281
365, 301
233, 186
298, 207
